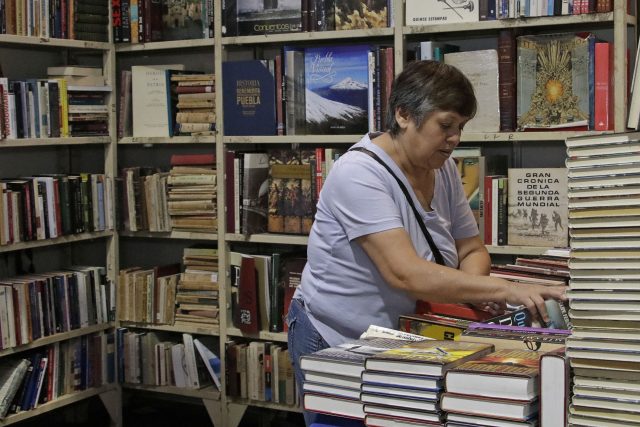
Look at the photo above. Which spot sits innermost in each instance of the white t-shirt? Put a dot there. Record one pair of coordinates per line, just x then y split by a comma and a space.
342, 289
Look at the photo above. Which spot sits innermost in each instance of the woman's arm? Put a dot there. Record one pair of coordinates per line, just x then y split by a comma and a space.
473, 256
395, 257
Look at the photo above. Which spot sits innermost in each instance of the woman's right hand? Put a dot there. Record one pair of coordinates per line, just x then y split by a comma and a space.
533, 297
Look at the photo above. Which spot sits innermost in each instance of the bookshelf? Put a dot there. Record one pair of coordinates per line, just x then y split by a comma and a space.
25, 57
126, 248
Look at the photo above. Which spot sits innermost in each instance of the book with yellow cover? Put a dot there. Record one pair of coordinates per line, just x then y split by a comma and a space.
427, 357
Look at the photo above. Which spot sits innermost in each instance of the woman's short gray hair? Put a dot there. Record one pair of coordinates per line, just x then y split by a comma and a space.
427, 86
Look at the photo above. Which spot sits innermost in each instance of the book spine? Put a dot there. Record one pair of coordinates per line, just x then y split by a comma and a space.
506, 79
502, 211
603, 96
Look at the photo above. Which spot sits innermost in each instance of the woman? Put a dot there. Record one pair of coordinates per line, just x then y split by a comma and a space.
368, 259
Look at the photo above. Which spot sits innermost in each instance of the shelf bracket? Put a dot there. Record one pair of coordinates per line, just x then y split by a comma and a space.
214, 409
112, 401
235, 412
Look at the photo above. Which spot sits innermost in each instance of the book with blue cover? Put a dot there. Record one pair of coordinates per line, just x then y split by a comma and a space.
337, 87
249, 98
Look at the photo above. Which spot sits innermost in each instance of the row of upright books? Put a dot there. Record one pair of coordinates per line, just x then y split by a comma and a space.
392, 382
72, 101
50, 206
165, 101
603, 287
156, 359
144, 21
65, 19
40, 305
245, 17
48, 373
260, 371
262, 286
311, 90
164, 295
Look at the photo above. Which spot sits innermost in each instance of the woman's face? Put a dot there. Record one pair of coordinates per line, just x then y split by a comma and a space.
431, 144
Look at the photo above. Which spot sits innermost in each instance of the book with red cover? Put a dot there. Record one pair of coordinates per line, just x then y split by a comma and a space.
193, 159
460, 311
247, 317
603, 96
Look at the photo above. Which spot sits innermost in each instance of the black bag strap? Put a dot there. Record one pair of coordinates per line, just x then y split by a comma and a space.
434, 249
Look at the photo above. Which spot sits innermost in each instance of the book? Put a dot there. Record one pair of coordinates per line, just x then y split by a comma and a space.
354, 15
249, 98
333, 405
336, 82
555, 381
151, 103
211, 361
553, 80
503, 374
268, 17
182, 20
255, 192
426, 357
462, 420
537, 214
477, 65
12, 374
516, 410
433, 12
348, 358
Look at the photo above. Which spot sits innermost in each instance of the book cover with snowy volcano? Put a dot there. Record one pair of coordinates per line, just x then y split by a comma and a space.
337, 88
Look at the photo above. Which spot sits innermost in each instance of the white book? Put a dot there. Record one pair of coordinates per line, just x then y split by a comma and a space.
190, 361
179, 365
211, 361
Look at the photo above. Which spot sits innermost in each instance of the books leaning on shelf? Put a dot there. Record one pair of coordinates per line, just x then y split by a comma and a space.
260, 371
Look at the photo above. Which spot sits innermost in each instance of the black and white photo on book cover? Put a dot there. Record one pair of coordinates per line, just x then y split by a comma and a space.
537, 200
268, 16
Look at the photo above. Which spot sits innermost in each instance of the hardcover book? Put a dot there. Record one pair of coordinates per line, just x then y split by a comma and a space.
337, 82
537, 213
291, 197
249, 98
268, 16
255, 193
182, 19
553, 81
506, 374
434, 12
427, 357
361, 14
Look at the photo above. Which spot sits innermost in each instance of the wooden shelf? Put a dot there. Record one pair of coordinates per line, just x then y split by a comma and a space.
285, 239
190, 235
525, 136
262, 335
65, 400
63, 240
164, 45
268, 405
313, 36
51, 42
208, 393
293, 139
39, 142
517, 250
64, 336
151, 140
497, 24
213, 330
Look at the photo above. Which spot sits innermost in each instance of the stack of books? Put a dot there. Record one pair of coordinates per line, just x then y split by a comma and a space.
405, 382
503, 385
333, 376
192, 193
196, 107
197, 293
604, 208
87, 109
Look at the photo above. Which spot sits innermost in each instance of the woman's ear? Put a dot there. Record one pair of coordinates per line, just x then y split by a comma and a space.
402, 118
